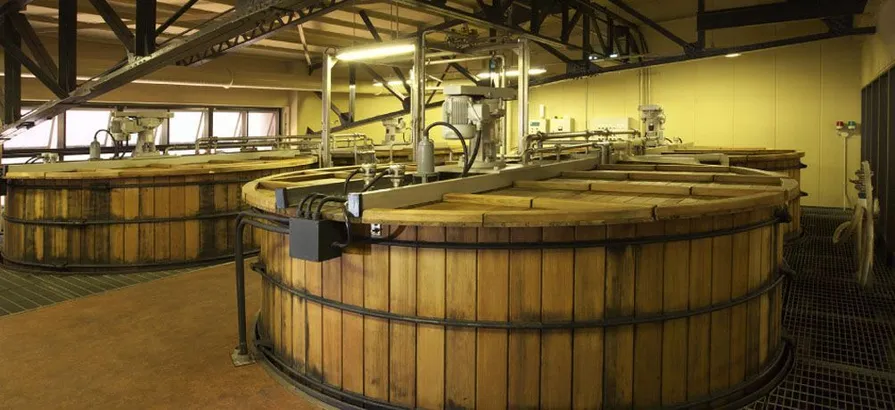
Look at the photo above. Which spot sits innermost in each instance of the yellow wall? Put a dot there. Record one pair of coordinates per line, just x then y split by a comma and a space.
782, 98
877, 58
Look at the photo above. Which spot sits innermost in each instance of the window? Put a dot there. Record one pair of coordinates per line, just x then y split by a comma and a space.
262, 123
186, 126
82, 124
228, 124
41, 136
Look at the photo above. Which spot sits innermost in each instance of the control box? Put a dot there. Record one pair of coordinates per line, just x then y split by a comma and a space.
614, 123
314, 240
561, 124
538, 125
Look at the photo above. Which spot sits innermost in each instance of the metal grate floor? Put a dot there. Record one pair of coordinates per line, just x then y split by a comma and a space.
21, 291
844, 333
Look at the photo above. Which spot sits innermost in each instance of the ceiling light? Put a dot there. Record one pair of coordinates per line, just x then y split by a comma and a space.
391, 83
613, 55
375, 51
733, 55
512, 73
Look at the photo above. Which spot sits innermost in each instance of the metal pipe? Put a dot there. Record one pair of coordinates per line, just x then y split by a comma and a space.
242, 349
522, 105
418, 90
326, 98
457, 60
528, 140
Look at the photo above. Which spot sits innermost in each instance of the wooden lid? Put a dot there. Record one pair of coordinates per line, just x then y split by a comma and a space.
161, 167
741, 154
610, 194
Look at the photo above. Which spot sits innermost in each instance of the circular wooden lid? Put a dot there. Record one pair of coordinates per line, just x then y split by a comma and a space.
162, 166
609, 194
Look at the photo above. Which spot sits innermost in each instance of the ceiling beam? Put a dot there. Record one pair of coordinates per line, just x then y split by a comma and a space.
115, 23
777, 13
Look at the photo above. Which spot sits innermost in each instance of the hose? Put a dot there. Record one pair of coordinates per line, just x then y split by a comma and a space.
459, 136
470, 161
348, 180
325, 200
374, 181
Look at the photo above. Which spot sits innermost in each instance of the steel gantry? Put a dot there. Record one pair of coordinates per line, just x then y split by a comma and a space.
586, 36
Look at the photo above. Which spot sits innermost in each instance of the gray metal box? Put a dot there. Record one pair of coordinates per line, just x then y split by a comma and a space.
314, 241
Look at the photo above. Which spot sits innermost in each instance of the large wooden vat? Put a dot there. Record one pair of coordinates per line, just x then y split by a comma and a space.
130, 214
398, 154
600, 289
782, 161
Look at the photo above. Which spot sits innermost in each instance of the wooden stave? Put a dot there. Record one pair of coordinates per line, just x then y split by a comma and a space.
125, 199
339, 281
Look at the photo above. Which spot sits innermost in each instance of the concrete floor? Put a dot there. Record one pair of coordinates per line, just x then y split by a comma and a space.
162, 344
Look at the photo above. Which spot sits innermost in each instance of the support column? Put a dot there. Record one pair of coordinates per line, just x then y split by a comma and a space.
145, 39
418, 91
522, 105
68, 51
326, 102
12, 80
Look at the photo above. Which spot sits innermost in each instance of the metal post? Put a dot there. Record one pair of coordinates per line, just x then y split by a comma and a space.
418, 91
145, 38
522, 105
352, 91
12, 80
326, 98
68, 52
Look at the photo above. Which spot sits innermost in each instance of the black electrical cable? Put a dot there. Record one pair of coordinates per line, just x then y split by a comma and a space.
347, 242
374, 181
475, 154
301, 205
459, 135
324, 201
348, 180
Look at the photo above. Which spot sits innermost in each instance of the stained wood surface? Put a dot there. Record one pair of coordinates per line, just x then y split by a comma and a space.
659, 363
134, 222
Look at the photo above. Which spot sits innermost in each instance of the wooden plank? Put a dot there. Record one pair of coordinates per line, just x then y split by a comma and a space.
274, 269
627, 167
676, 294
739, 287
618, 373
753, 306
692, 168
376, 271
722, 265
768, 259
41, 197
700, 296
76, 234
748, 179
221, 205
314, 341
587, 344
460, 294
732, 190
492, 305
60, 237
332, 322
131, 230
191, 201
352, 293
721, 206
299, 317
430, 338
608, 175
626, 187
402, 342
671, 176
499, 200
554, 184
423, 217
524, 306
162, 229
176, 207
116, 232
648, 281
557, 290
146, 252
